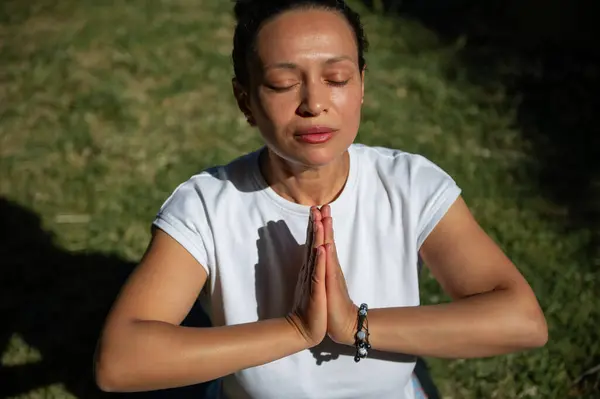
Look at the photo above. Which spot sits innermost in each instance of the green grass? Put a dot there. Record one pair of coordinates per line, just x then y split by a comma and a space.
106, 106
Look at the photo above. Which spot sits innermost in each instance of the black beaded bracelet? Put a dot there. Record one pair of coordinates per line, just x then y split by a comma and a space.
361, 338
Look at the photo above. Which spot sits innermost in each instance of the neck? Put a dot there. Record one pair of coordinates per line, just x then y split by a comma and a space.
304, 185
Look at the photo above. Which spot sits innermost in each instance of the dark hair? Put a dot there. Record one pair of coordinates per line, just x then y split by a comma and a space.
252, 14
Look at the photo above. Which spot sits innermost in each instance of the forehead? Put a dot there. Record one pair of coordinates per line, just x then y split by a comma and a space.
306, 34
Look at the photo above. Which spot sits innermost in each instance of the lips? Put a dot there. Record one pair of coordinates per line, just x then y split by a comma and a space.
315, 134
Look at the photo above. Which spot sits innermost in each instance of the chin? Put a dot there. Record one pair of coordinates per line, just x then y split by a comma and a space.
312, 155
319, 156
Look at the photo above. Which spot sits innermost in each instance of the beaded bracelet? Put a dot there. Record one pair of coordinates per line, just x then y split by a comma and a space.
361, 339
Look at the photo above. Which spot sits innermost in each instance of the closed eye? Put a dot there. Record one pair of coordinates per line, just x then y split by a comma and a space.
338, 83
280, 89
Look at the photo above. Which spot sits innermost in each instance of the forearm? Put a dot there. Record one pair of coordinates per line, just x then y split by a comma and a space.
150, 355
483, 325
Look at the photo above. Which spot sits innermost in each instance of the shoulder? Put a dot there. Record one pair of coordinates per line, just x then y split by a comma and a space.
424, 189
186, 213
233, 177
192, 201
410, 170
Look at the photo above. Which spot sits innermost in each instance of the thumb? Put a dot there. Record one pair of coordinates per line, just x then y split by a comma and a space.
332, 265
335, 279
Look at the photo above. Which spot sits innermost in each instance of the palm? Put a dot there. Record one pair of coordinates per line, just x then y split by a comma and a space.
341, 311
310, 303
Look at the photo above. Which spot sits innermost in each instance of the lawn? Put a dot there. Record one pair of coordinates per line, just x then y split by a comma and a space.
105, 108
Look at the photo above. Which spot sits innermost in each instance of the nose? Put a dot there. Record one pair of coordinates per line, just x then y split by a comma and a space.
314, 99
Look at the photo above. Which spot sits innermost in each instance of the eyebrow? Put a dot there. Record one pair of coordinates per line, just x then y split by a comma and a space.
291, 65
338, 59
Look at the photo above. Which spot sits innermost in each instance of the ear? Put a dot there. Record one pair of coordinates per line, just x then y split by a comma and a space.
243, 100
362, 82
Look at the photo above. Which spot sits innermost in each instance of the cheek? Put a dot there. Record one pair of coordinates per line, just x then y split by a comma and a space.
348, 103
277, 110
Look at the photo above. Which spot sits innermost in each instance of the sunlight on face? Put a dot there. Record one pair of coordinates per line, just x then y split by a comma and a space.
306, 75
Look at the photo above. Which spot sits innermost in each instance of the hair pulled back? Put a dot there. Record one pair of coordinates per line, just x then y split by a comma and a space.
252, 14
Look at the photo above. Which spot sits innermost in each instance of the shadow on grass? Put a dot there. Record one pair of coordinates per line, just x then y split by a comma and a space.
56, 302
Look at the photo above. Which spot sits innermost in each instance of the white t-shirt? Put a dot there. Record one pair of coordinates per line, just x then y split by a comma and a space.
250, 241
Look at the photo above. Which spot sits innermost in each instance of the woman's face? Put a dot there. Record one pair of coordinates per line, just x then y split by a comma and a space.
306, 88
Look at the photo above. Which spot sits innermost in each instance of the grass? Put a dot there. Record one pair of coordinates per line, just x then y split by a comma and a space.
106, 107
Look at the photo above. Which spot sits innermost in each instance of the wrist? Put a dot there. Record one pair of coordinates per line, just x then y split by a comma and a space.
351, 335
350, 338
348, 335
296, 333
362, 333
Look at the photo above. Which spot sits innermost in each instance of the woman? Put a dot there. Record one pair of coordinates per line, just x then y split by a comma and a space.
234, 233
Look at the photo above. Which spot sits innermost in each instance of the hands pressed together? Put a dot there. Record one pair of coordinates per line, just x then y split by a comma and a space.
322, 304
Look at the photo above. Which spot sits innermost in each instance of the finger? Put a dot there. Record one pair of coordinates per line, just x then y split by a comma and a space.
300, 290
307, 268
327, 223
315, 216
331, 267
318, 275
317, 242
317, 232
328, 229
319, 235
309, 237
315, 213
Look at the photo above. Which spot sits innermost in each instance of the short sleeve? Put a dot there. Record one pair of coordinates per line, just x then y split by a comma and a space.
183, 217
433, 191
